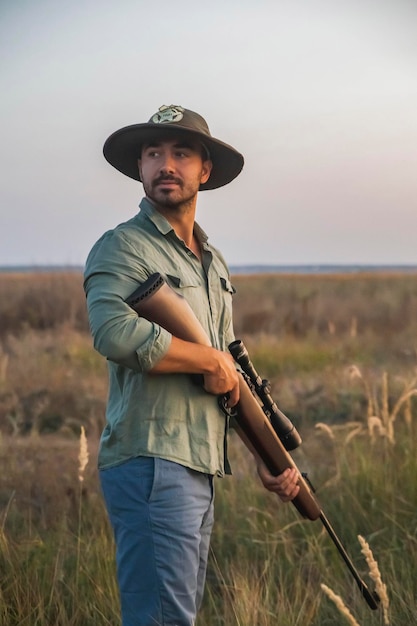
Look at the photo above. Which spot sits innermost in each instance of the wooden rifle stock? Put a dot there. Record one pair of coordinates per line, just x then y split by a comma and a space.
259, 432
158, 303
155, 301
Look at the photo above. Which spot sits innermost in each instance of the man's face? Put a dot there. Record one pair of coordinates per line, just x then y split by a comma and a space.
172, 169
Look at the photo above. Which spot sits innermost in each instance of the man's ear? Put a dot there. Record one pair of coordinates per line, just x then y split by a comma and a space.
206, 171
140, 168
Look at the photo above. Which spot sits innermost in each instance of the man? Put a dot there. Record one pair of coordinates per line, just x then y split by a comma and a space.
165, 437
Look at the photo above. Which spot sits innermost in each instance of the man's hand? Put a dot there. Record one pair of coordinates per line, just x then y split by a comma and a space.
285, 485
218, 368
224, 379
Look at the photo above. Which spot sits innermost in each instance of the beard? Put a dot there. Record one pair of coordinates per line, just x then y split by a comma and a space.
171, 197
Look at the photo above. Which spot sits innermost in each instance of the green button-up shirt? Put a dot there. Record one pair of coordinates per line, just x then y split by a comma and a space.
164, 415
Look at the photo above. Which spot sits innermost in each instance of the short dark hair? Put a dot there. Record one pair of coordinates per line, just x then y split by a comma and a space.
205, 153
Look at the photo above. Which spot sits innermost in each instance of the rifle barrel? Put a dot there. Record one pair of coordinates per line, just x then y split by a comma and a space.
372, 598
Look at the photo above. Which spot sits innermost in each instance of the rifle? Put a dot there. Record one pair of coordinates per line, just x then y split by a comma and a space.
260, 423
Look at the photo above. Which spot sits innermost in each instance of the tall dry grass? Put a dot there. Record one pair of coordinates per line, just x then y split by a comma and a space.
51, 378
267, 564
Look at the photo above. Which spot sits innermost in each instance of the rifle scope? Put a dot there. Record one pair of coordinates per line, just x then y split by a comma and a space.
283, 427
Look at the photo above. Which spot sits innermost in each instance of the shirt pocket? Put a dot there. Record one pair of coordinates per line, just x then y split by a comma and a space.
182, 282
192, 290
227, 285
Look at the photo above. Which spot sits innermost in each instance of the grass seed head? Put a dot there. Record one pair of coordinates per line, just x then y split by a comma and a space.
83, 455
340, 605
375, 574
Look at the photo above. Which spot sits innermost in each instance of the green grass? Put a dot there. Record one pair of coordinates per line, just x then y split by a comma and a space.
266, 563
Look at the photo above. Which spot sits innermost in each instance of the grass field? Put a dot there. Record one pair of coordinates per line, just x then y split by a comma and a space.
341, 355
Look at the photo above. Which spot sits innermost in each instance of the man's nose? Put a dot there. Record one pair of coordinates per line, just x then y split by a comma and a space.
167, 163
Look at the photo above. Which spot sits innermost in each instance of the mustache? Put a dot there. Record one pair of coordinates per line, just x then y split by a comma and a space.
166, 178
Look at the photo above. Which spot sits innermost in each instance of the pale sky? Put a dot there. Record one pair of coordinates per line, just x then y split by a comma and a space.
319, 95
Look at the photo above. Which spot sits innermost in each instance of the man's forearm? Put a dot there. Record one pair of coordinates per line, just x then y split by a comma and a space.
185, 357
217, 367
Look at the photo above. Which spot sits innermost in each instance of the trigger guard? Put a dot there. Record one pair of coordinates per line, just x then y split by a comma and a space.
230, 411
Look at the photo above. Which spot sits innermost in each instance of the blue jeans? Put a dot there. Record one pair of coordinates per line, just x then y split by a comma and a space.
162, 516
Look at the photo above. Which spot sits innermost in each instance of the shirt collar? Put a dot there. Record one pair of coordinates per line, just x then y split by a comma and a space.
164, 226
156, 218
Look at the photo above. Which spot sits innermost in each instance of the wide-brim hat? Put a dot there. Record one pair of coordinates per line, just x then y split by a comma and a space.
123, 148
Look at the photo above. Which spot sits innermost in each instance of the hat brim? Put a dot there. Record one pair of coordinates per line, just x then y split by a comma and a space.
123, 149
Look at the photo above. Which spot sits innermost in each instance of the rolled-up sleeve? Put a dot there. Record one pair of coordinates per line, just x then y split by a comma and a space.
112, 273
